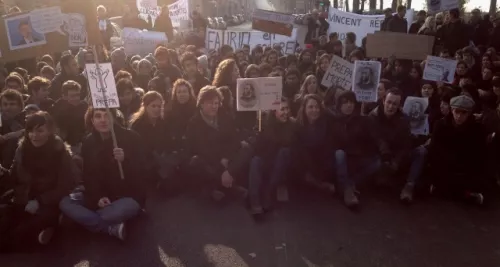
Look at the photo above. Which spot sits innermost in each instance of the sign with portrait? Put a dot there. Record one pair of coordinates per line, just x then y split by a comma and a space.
254, 94
365, 80
49, 29
273, 22
105, 94
440, 69
415, 108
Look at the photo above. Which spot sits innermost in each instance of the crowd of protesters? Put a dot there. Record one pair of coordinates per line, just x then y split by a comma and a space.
177, 128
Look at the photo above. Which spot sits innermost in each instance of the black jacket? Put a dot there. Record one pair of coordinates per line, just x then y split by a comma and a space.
454, 36
210, 144
170, 71
101, 175
274, 136
155, 138
199, 82
70, 120
397, 24
393, 135
355, 135
46, 174
414, 27
163, 23
56, 85
385, 24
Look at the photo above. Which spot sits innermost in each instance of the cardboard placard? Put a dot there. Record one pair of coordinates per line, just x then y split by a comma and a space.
272, 22
106, 95
71, 23
400, 45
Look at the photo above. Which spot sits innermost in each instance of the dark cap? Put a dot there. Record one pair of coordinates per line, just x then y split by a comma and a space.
462, 102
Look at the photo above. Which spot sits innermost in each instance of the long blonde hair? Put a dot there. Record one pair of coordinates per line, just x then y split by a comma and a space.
147, 99
430, 23
303, 89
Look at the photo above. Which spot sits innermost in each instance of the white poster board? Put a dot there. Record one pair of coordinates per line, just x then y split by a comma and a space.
254, 94
102, 94
365, 80
343, 22
141, 42
214, 39
339, 74
436, 6
179, 10
415, 108
439, 69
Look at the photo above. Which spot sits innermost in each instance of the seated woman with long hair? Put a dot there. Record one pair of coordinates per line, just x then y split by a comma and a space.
219, 156
309, 86
272, 157
181, 108
42, 174
111, 196
313, 143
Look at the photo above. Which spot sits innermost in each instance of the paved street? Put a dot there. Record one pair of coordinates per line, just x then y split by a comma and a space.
311, 230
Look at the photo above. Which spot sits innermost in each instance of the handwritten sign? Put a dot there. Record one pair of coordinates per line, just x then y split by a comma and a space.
255, 94
272, 22
439, 69
74, 26
46, 20
338, 74
366, 79
140, 42
105, 95
178, 11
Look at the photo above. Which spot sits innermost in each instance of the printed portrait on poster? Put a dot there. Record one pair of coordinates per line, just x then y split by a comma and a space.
21, 34
248, 95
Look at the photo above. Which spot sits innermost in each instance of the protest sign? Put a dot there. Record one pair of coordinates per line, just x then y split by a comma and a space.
414, 108
105, 94
439, 69
366, 79
140, 42
214, 39
50, 29
400, 45
435, 6
272, 22
343, 22
338, 74
254, 94
178, 10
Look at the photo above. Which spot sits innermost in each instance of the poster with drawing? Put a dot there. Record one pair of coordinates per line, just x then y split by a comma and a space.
255, 94
74, 27
365, 80
415, 108
338, 74
439, 69
105, 95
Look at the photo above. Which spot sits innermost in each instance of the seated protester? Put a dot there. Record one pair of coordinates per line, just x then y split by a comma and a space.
165, 67
110, 199
69, 112
310, 86
219, 157
252, 71
189, 63
144, 74
42, 173
119, 62
394, 142
292, 83
181, 108
321, 69
48, 72
383, 86
227, 103
15, 82
154, 134
355, 144
312, 143
38, 88
12, 126
430, 92
69, 71
462, 71
265, 69
129, 100
457, 153
272, 157
306, 61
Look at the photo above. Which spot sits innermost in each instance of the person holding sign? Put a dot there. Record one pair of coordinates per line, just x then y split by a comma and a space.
110, 200
42, 173
219, 156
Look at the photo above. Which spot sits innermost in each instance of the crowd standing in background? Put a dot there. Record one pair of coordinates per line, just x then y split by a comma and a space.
178, 130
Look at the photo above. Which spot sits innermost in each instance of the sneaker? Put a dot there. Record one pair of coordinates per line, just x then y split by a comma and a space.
477, 197
350, 198
407, 193
45, 236
118, 231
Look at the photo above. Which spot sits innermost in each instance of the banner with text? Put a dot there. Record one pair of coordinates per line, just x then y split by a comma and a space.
178, 11
343, 22
214, 39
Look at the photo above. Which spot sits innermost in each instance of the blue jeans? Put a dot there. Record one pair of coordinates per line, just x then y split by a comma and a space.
117, 212
417, 164
279, 167
366, 166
